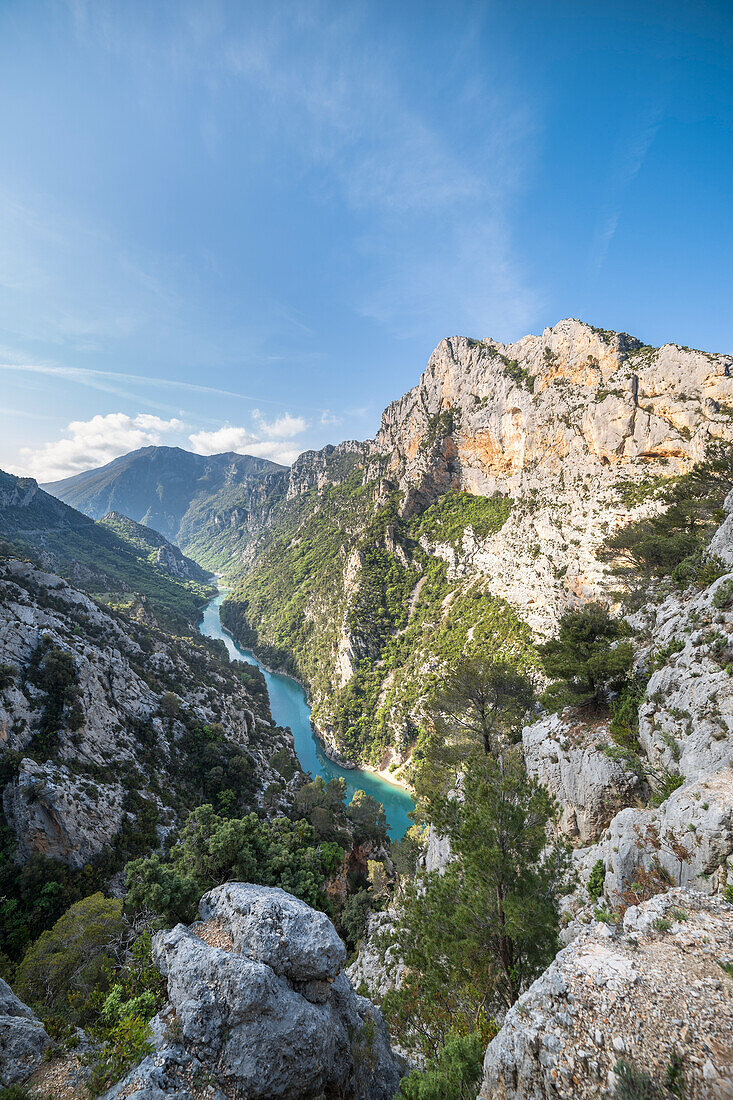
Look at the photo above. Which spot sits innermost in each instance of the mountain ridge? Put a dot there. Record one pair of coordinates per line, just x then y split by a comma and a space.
158, 486
116, 561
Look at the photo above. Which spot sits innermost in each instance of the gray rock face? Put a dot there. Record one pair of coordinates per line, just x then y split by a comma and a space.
437, 852
71, 805
277, 929
22, 1038
686, 719
690, 836
379, 975
722, 541
59, 815
567, 757
640, 995
260, 1000
329, 466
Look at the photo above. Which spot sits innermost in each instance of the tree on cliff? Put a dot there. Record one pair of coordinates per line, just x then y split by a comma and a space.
480, 705
476, 934
588, 660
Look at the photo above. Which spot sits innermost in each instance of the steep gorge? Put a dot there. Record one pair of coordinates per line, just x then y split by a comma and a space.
475, 517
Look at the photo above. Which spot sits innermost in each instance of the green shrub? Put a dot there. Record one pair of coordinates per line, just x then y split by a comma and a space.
596, 880
668, 785
455, 1072
8, 675
354, 917
74, 956
723, 595
125, 1044
449, 516
673, 544
624, 725
476, 935
52, 670
633, 1083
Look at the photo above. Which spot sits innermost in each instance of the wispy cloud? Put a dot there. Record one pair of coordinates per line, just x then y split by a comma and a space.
629, 161
356, 131
108, 381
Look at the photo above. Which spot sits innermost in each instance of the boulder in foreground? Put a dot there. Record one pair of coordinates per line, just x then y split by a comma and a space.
260, 1007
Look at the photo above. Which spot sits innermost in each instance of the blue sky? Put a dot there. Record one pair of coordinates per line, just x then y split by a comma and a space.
246, 225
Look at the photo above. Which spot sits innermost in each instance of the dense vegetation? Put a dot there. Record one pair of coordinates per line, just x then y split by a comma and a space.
449, 516
212, 849
400, 612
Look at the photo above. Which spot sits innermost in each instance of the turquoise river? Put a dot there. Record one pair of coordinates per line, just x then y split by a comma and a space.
289, 708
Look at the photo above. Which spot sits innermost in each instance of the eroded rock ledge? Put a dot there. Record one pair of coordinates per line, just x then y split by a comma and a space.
655, 994
261, 1007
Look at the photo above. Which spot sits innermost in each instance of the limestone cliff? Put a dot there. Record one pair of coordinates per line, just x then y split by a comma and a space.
260, 1005
650, 999
482, 504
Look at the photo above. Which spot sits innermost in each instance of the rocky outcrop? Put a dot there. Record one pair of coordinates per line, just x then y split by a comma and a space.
23, 1040
137, 695
654, 995
507, 403
567, 757
329, 466
59, 815
689, 839
686, 718
437, 851
260, 1003
376, 970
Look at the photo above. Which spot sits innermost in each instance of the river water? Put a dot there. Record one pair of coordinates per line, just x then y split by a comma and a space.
289, 708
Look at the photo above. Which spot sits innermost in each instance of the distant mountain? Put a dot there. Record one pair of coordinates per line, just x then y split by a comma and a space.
165, 487
116, 559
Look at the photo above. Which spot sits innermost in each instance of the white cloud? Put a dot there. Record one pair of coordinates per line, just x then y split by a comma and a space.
90, 443
86, 444
243, 441
284, 427
327, 417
